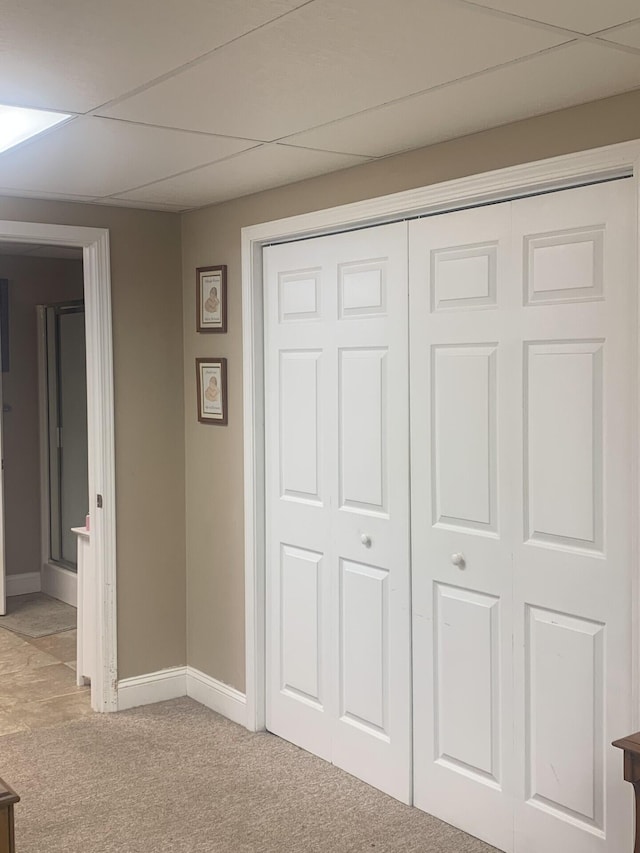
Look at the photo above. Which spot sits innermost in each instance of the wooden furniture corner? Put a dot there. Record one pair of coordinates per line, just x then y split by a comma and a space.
8, 798
630, 746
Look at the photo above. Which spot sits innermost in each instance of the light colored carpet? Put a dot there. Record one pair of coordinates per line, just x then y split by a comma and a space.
177, 778
37, 615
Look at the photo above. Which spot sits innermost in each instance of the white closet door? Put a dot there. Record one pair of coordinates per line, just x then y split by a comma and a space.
462, 518
574, 550
337, 525
523, 382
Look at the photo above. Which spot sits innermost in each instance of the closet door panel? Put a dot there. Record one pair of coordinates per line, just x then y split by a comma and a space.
462, 374
337, 436
523, 376
573, 553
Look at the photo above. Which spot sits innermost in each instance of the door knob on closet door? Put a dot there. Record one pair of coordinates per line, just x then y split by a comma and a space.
458, 560
366, 540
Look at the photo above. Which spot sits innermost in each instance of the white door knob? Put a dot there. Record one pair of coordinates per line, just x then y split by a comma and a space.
458, 560
366, 540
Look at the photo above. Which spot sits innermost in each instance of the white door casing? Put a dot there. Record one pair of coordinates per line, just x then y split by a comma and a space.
100, 417
337, 522
523, 390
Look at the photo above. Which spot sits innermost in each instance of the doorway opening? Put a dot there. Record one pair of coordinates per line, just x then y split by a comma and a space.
97, 547
45, 479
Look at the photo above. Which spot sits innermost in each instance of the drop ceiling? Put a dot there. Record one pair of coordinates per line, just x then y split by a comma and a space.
184, 103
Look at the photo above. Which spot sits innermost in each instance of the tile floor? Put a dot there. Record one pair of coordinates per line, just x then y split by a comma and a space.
38, 681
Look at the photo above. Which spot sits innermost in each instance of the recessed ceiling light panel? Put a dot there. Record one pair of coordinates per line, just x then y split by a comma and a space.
19, 123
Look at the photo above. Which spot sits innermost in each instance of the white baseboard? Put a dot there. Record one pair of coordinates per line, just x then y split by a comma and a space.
153, 687
183, 681
23, 584
219, 697
60, 583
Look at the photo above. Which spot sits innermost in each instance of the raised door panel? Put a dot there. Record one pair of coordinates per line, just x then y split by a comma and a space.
299, 295
363, 426
463, 277
363, 288
563, 450
300, 425
464, 462
565, 714
564, 266
364, 647
467, 736
301, 620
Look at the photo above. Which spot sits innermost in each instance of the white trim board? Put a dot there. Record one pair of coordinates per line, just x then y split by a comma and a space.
100, 423
60, 583
152, 687
219, 697
183, 681
23, 584
615, 161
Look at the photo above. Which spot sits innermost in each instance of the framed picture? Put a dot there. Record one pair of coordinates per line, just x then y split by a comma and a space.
211, 299
211, 378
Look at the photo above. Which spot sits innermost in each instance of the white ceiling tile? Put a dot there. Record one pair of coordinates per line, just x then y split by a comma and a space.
629, 35
97, 157
562, 77
78, 54
250, 172
582, 16
330, 59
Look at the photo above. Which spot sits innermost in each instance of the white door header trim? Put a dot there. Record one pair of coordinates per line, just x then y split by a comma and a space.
53, 235
544, 175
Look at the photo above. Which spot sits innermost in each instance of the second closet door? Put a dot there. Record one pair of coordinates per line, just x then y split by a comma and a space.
523, 379
337, 501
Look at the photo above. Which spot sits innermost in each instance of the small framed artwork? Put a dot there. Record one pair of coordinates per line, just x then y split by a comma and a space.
211, 299
211, 378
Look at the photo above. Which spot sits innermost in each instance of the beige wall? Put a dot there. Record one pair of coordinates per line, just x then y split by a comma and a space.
32, 281
149, 423
214, 472
155, 400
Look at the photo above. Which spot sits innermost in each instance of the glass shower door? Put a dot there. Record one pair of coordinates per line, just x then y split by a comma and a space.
67, 432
